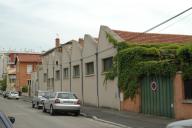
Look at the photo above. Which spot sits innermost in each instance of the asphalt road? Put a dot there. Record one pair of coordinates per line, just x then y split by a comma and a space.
26, 117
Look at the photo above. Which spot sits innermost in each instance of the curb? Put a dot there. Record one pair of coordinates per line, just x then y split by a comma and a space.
104, 121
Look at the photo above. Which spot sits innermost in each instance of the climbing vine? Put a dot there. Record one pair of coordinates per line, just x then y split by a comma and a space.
134, 61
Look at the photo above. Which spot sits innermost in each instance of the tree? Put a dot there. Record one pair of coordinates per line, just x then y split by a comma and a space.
3, 84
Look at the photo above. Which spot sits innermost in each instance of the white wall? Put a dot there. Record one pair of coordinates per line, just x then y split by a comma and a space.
89, 81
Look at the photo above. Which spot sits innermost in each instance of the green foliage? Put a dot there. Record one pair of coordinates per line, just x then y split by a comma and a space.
24, 89
3, 84
133, 61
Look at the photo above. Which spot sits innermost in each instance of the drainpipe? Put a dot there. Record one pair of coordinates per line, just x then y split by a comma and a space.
47, 76
82, 82
70, 73
53, 78
97, 76
61, 77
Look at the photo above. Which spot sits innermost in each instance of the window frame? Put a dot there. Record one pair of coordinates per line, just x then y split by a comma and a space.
89, 67
104, 64
76, 71
57, 75
65, 73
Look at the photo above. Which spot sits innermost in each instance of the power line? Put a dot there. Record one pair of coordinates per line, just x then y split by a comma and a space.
175, 22
160, 24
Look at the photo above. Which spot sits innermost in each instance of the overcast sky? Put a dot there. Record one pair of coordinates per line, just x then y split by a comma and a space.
33, 24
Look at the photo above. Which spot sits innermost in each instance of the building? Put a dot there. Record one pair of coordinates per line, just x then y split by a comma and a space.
80, 67
25, 63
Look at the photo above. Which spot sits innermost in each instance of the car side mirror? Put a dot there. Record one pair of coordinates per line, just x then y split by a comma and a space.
12, 119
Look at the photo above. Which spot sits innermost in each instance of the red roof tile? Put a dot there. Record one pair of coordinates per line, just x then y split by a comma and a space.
153, 37
29, 57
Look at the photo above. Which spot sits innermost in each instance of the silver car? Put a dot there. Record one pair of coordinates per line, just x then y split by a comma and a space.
62, 102
13, 95
39, 98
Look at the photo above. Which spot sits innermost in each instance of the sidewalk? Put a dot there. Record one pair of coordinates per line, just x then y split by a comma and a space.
121, 118
129, 119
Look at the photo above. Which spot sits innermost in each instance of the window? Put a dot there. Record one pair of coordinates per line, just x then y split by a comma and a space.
89, 68
45, 77
58, 75
28, 82
107, 64
65, 73
76, 71
29, 69
188, 89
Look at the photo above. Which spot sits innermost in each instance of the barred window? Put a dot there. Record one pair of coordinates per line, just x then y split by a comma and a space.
107, 64
188, 89
58, 75
89, 68
76, 72
65, 73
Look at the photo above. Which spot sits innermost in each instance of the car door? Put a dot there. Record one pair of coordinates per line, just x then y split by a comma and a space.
51, 99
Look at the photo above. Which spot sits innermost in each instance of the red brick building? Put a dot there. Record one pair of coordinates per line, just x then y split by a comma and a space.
26, 63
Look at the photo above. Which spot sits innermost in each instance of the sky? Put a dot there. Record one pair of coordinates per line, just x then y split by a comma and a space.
33, 25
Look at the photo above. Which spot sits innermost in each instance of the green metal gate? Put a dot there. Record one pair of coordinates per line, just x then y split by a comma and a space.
157, 96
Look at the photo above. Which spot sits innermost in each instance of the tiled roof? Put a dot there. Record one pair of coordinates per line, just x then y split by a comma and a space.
153, 37
29, 58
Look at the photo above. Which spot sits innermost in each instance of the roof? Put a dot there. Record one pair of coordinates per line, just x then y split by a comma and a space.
153, 37
28, 58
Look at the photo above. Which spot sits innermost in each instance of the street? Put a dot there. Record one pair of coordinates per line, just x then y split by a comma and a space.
26, 117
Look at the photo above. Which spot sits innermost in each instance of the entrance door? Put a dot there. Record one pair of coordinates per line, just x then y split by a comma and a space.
157, 96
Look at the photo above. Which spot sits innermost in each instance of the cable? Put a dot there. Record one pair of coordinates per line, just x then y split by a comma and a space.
175, 22
159, 24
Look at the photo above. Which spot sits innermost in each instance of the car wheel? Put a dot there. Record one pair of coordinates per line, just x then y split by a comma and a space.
33, 105
77, 113
44, 109
38, 107
52, 110
17, 98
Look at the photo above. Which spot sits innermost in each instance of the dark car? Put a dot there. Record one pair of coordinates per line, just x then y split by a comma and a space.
6, 122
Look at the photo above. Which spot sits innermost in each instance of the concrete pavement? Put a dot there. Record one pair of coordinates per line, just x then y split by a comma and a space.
26, 117
121, 118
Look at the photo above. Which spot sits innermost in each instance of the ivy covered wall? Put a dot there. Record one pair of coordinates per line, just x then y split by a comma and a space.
133, 61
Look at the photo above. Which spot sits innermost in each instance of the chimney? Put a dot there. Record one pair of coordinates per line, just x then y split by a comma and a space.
57, 42
81, 42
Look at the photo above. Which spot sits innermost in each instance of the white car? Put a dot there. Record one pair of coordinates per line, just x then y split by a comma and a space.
62, 102
181, 124
13, 95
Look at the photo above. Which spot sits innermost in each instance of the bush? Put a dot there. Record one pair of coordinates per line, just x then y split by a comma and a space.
24, 89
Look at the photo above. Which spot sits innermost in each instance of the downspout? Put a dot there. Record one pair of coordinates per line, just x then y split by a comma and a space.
82, 82
47, 76
53, 78
38, 76
61, 71
61, 77
97, 76
70, 73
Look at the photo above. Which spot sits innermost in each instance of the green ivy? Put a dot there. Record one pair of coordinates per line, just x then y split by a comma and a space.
133, 61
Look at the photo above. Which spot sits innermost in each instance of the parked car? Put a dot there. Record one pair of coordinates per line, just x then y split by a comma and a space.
181, 124
62, 102
39, 98
6, 122
13, 95
5, 94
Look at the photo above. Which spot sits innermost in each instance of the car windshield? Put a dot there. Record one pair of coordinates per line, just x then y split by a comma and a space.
14, 92
66, 96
